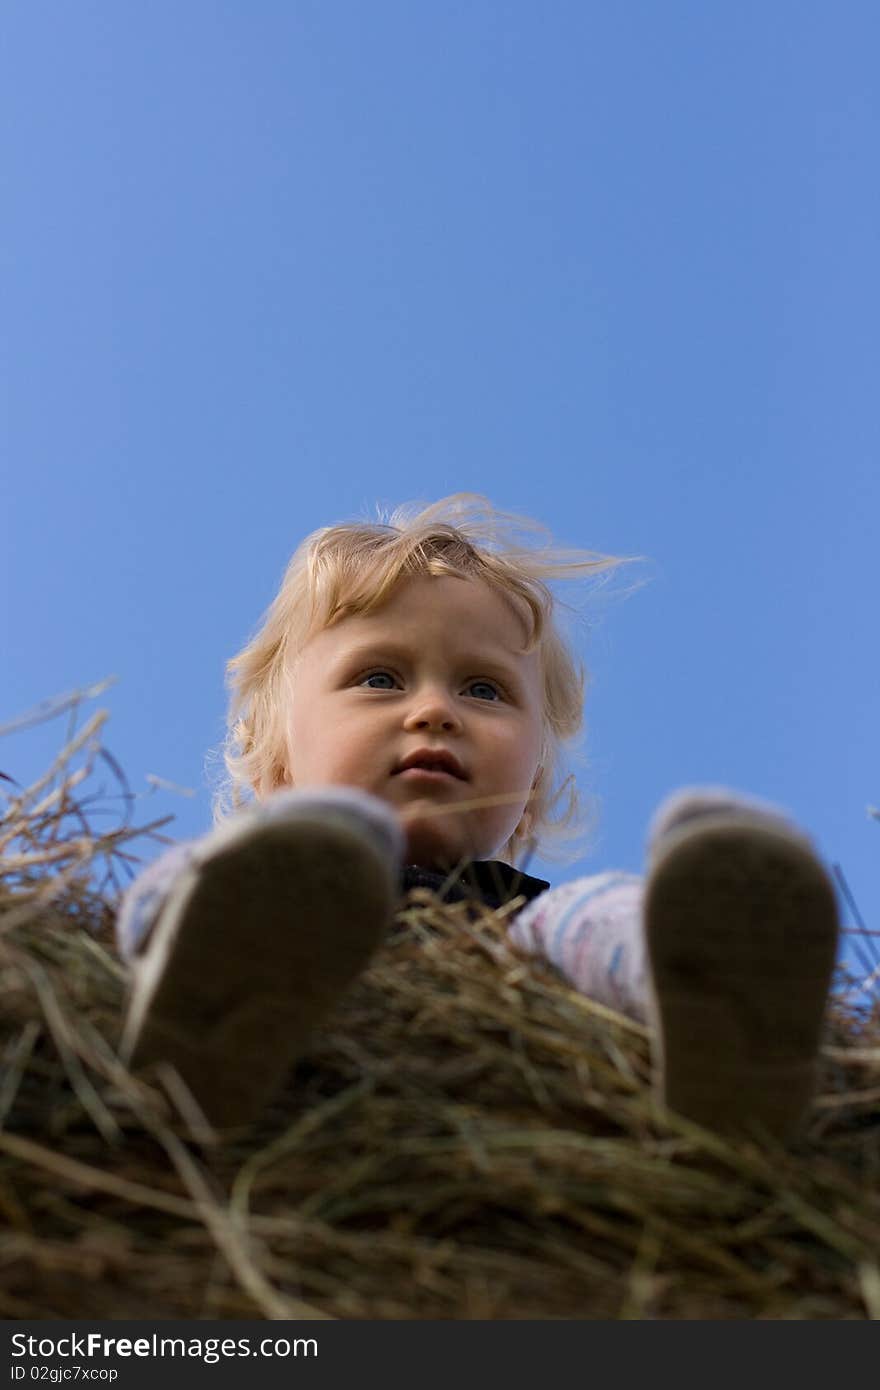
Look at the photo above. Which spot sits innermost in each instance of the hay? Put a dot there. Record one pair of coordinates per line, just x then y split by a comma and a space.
468, 1138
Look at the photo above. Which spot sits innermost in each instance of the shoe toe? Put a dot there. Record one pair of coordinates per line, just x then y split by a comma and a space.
697, 802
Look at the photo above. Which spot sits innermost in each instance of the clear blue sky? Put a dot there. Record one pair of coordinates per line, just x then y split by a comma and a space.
614, 265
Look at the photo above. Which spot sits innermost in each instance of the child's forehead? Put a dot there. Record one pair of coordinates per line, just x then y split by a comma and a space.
459, 616
461, 604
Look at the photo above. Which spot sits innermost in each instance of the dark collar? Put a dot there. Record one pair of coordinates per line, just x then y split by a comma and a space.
487, 880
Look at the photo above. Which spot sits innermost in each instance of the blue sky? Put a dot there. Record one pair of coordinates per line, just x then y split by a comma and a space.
614, 266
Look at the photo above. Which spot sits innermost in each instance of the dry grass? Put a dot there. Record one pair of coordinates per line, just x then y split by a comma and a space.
467, 1139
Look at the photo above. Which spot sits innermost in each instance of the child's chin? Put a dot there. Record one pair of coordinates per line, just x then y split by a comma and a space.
432, 845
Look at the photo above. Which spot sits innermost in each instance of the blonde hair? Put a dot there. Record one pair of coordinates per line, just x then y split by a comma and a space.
353, 568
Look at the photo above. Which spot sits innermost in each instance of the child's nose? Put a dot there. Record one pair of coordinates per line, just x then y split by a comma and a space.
430, 709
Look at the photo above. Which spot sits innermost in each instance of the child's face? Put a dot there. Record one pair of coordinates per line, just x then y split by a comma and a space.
439, 667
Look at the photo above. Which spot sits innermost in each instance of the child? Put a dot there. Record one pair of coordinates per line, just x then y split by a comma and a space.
399, 719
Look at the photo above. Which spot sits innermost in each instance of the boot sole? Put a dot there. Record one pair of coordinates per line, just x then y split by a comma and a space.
251, 951
742, 927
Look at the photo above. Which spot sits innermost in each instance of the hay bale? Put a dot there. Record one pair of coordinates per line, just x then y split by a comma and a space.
468, 1138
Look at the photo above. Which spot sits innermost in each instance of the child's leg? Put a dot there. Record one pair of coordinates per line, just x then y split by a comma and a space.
728, 948
242, 941
593, 931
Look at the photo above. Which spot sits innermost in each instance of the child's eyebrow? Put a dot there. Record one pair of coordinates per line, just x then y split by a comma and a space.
496, 660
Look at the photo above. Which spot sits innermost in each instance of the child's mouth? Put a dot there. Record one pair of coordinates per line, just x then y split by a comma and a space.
428, 774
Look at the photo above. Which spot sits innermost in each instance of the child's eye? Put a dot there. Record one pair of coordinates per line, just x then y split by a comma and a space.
483, 686
379, 676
